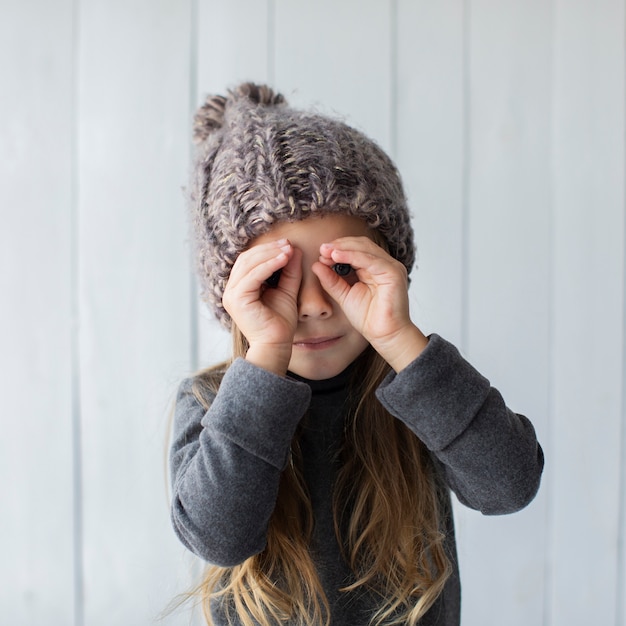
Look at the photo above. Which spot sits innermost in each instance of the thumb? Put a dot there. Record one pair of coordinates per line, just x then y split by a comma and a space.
291, 275
335, 286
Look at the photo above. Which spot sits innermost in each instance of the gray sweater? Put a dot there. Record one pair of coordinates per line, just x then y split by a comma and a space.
226, 462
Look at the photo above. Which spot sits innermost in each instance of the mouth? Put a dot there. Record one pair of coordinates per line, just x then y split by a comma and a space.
316, 343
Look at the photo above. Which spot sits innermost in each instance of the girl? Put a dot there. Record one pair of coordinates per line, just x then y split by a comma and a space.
313, 470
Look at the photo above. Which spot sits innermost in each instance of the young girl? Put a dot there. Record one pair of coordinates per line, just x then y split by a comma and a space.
312, 471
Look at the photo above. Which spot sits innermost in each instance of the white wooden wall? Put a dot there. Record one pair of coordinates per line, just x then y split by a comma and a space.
507, 120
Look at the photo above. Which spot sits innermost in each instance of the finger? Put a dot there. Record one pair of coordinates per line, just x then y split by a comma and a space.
291, 275
374, 265
329, 251
288, 282
256, 265
334, 285
364, 244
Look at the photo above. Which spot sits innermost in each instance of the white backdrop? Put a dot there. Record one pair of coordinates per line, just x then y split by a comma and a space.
507, 120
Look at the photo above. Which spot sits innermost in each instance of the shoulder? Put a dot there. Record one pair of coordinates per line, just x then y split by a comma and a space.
202, 387
237, 382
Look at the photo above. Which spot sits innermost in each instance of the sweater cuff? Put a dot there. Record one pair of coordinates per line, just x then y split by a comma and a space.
437, 396
258, 410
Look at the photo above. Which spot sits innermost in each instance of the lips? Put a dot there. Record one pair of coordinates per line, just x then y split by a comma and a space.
316, 343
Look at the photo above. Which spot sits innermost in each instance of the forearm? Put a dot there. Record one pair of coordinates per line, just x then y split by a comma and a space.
226, 464
490, 455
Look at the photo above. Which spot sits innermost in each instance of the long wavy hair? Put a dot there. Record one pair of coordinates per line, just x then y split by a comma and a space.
387, 511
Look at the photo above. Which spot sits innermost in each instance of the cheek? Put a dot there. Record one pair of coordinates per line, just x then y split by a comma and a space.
359, 345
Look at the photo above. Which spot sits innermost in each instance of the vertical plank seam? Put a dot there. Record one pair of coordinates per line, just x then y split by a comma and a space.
465, 174
194, 304
77, 477
548, 564
393, 78
271, 41
620, 617
193, 99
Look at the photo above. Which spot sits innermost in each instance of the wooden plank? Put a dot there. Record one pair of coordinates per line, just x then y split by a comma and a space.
36, 140
338, 67
135, 298
508, 288
588, 309
233, 46
430, 144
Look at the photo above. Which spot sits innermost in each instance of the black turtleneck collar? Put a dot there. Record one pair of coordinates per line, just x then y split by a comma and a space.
328, 385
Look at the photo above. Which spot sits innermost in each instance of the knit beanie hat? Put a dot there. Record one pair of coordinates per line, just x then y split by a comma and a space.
260, 162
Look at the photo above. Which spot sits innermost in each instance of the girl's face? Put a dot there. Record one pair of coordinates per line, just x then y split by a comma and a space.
325, 343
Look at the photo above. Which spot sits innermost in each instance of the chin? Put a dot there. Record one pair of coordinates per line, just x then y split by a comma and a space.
317, 367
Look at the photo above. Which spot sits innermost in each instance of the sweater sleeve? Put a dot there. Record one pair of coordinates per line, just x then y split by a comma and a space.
490, 456
226, 462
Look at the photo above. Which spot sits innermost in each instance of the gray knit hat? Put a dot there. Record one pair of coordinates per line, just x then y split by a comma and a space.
260, 162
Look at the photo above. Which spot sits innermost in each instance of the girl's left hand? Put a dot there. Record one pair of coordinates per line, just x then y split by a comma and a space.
377, 304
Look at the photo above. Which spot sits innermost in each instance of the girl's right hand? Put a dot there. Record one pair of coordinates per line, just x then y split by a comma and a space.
267, 316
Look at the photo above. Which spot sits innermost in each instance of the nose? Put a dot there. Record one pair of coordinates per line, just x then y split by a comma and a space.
313, 301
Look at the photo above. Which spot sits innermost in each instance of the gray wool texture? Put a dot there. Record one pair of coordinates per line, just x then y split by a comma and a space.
226, 462
260, 161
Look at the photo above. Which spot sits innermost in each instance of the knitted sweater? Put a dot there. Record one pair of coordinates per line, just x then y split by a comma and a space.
226, 462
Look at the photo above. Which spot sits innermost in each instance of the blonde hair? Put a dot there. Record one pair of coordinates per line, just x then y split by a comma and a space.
387, 508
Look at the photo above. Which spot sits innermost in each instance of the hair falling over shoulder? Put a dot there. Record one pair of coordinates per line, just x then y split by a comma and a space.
387, 508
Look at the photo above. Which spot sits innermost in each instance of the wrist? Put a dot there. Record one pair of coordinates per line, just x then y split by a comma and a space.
403, 347
272, 358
